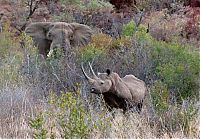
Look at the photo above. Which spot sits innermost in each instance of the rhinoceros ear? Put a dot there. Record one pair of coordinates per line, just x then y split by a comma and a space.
108, 72
81, 34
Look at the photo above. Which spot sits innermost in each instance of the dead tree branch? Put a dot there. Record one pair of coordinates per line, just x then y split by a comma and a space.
32, 6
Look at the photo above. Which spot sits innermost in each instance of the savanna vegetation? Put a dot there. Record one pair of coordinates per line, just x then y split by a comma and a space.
157, 41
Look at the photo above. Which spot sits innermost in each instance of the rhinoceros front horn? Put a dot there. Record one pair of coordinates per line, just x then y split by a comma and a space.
84, 73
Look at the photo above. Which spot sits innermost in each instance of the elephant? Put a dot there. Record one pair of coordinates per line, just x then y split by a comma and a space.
49, 35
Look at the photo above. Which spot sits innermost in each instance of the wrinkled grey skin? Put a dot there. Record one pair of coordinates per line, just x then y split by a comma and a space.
49, 35
123, 93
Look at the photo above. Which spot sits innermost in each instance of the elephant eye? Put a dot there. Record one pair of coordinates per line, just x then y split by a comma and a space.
102, 82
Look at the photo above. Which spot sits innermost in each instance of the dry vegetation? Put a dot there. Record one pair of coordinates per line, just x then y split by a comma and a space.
50, 99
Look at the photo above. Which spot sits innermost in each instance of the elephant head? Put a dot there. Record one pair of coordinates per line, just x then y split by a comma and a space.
49, 35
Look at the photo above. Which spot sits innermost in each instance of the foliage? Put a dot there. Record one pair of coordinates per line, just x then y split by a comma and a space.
10, 57
176, 66
107, 42
98, 5
69, 114
101, 40
160, 97
179, 69
71, 1
120, 42
73, 122
130, 29
64, 17
57, 53
177, 118
143, 4
31, 59
37, 124
92, 5
172, 117
91, 52
185, 116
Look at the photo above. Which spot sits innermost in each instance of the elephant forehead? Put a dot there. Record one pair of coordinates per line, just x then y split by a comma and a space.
34, 32
62, 25
60, 31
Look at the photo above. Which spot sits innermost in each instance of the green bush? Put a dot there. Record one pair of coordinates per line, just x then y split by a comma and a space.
160, 97
10, 57
90, 52
64, 17
177, 66
130, 29
75, 121
91, 5
67, 114
97, 5
172, 117
71, 1
37, 124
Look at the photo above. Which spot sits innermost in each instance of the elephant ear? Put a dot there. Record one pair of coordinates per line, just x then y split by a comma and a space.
38, 29
81, 34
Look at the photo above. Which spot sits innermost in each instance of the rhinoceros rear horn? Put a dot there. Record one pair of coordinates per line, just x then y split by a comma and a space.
93, 73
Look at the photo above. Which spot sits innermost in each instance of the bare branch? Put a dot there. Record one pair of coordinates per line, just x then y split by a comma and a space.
138, 17
33, 5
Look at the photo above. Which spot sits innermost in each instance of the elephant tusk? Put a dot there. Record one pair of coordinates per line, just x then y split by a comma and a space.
99, 73
50, 53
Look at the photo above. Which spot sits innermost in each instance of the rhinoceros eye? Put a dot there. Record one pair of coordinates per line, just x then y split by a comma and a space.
102, 82
49, 35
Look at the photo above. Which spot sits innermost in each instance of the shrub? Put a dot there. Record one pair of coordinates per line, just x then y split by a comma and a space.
101, 40
64, 17
70, 1
185, 117
91, 52
176, 66
119, 43
98, 5
176, 119
10, 57
108, 43
67, 115
92, 5
160, 97
130, 29
166, 27
37, 124
172, 117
